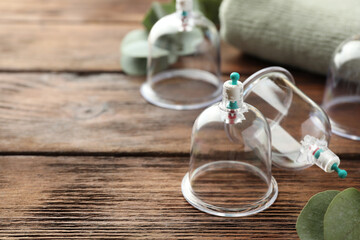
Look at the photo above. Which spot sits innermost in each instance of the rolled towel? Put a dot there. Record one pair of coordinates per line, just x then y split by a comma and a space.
302, 33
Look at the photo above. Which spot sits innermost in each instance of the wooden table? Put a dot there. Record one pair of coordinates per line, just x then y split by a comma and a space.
84, 156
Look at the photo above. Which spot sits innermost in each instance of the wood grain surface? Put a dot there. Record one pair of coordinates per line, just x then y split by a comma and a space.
80, 36
83, 48
137, 197
73, 11
98, 113
83, 156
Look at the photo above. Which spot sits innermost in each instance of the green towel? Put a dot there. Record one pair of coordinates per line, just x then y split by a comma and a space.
302, 33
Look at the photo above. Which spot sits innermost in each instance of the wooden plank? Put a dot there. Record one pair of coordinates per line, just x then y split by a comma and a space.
43, 112
78, 35
138, 198
89, 44
61, 47
73, 11
96, 113
85, 48
81, 35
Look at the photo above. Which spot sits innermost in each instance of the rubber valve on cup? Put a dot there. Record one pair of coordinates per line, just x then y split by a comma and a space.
183, 69
230, 164
300, 129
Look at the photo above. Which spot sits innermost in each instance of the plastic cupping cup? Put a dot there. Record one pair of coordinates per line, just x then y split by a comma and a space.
300, 129
230, 165
342, 92
183, 69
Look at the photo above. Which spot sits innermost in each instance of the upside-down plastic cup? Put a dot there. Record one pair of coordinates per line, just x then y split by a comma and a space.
230, 164
342, 93
183, 69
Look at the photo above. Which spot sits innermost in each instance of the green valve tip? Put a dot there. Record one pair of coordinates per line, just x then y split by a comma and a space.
341, 172
234, 78
233, 105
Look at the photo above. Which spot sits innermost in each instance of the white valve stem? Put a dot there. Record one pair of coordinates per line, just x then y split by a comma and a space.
326, 159
315, 151
233, 93
184, 5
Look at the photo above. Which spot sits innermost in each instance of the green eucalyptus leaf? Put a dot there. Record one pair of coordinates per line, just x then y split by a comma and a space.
310, 225
342, 218
192, 40
210, 9
157, 11
134, 58
134, 53
181, 43
134, 36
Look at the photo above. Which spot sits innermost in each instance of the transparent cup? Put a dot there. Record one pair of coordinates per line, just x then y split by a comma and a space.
183, 69
230, 165
300, 129
342, 93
